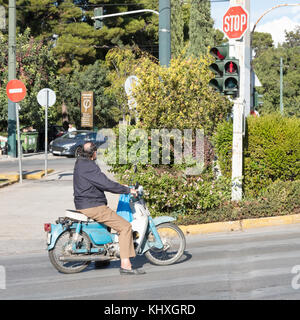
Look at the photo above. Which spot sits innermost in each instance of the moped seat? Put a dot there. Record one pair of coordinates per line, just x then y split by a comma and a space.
77, 215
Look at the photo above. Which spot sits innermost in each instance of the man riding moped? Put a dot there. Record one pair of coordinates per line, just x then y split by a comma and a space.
89, 184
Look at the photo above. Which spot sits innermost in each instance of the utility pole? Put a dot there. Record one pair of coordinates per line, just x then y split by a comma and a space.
11, 141
240, 49
164, 32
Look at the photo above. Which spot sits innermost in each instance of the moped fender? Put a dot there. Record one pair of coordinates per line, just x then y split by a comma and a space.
156, 221
162, 219
56, 231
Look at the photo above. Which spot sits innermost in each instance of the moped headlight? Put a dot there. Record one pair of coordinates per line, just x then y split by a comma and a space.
140, 190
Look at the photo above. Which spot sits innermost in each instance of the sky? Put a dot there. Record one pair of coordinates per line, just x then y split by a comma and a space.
275, 22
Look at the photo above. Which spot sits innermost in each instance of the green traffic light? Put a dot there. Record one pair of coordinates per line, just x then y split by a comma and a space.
231, 83
231, 86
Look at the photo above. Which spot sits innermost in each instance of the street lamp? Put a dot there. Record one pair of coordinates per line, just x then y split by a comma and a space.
164, 28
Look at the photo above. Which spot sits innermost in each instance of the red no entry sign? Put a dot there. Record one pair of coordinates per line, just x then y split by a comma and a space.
235, 22
15, 90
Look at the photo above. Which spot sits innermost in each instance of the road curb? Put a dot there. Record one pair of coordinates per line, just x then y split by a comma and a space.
29, 176
9, 182
37, 175
240, 225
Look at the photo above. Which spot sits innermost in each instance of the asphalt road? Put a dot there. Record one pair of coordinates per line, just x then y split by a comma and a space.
33, 162
256, 264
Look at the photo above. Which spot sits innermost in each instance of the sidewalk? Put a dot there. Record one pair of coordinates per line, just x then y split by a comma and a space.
26, 207
25, 156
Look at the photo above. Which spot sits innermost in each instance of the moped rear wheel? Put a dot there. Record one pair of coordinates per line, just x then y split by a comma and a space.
174, 243
63, 247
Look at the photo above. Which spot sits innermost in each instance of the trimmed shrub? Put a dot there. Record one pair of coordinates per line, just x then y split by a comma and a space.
280, 198
168, 191
271, 151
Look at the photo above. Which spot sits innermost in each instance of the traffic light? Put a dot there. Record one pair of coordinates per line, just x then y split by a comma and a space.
220, 53
98, 23
226, 70
231, 78
257, 99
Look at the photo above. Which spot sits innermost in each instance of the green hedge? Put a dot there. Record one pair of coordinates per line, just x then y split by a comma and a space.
169, 191
271, 151
280, 198
271, 154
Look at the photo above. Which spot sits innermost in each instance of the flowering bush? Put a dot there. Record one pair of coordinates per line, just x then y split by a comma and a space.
168, 191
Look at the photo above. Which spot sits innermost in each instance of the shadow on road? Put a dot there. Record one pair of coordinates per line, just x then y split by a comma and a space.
64, 175
137, 262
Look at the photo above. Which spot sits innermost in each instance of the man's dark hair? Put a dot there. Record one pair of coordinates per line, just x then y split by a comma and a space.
88, 150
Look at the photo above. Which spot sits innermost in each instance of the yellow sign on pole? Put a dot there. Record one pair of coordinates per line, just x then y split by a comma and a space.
87, 109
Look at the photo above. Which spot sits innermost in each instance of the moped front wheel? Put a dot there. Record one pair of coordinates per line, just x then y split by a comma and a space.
63, 247
174, 243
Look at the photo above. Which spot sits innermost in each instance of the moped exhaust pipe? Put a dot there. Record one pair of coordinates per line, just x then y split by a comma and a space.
84, 258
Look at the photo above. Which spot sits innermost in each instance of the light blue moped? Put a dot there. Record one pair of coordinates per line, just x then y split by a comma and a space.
75, 240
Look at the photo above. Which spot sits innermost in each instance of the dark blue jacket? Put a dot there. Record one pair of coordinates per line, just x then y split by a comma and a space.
89, 184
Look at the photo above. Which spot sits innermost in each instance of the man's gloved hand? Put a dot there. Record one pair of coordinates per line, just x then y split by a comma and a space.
134, 192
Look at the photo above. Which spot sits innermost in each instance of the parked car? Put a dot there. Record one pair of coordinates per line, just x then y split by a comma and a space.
71, 143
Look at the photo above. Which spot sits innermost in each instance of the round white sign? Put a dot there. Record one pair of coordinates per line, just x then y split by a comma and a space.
129, 83
46, 97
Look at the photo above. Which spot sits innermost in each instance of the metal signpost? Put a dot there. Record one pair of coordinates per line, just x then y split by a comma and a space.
46, 98
129, 84
236, 28
16, 92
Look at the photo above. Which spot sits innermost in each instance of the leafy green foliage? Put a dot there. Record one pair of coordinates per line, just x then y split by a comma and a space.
77, 39
121, 64
167, 191
267, 68
179, 96
36, 68
261, 41
177, 28
271, 151
292, 38
280, 198
222, 141
93, 78
201, 32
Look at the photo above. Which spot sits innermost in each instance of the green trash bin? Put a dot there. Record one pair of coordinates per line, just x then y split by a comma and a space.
29, 141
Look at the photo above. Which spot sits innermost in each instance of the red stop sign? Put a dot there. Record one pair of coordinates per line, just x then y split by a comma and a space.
15, 90
235, 22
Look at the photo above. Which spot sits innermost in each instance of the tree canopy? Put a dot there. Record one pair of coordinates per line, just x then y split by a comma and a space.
179, 96
58, 47
267, 67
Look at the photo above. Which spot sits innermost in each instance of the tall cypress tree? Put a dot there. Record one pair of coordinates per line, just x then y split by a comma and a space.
201, 30
177, 24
